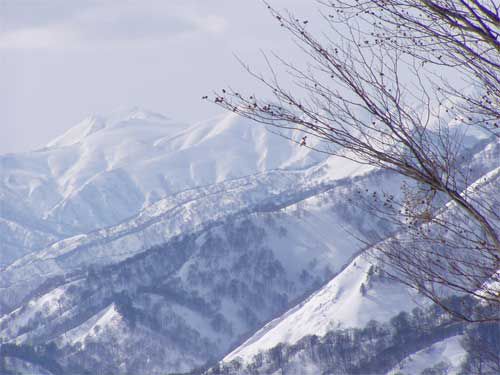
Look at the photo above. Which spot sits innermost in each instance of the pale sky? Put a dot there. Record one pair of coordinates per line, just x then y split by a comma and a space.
61, 60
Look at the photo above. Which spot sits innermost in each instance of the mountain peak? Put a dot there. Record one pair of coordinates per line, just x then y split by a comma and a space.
95, 123
135, 113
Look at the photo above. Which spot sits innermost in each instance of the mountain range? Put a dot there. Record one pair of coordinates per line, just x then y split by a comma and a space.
136, 244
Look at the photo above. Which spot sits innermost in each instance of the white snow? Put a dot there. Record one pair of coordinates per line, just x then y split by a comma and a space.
337, 304
114, 186
449, 351
105, 319
107, 168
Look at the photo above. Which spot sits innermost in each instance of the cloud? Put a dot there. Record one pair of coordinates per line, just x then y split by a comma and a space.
19, 15
102, 23
34, 38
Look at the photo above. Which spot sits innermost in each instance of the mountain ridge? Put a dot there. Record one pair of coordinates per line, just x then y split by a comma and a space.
182, 248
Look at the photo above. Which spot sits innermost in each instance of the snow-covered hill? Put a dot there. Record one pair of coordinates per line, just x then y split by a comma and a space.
215, 282
449, 352
339, 304
355, 298
136, 244
357, 295
106, 169
222, 206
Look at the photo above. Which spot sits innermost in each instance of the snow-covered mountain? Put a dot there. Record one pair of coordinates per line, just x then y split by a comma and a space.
356, 295
136, 244
105, 169
115, 191
215, 277
353, 303
339, 304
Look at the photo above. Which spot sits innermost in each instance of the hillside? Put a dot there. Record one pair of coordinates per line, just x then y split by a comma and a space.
136, 244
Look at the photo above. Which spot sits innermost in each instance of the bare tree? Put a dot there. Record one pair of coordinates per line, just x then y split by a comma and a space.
462, 34
375, 91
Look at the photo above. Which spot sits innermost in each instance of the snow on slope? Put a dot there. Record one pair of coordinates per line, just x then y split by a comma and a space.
91, 328
79, 132
169, 217
216, 260
14, 235
339, 303
303, 235
247, 267
448, 351
150, 179
160, 157
106, 169
179, 213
